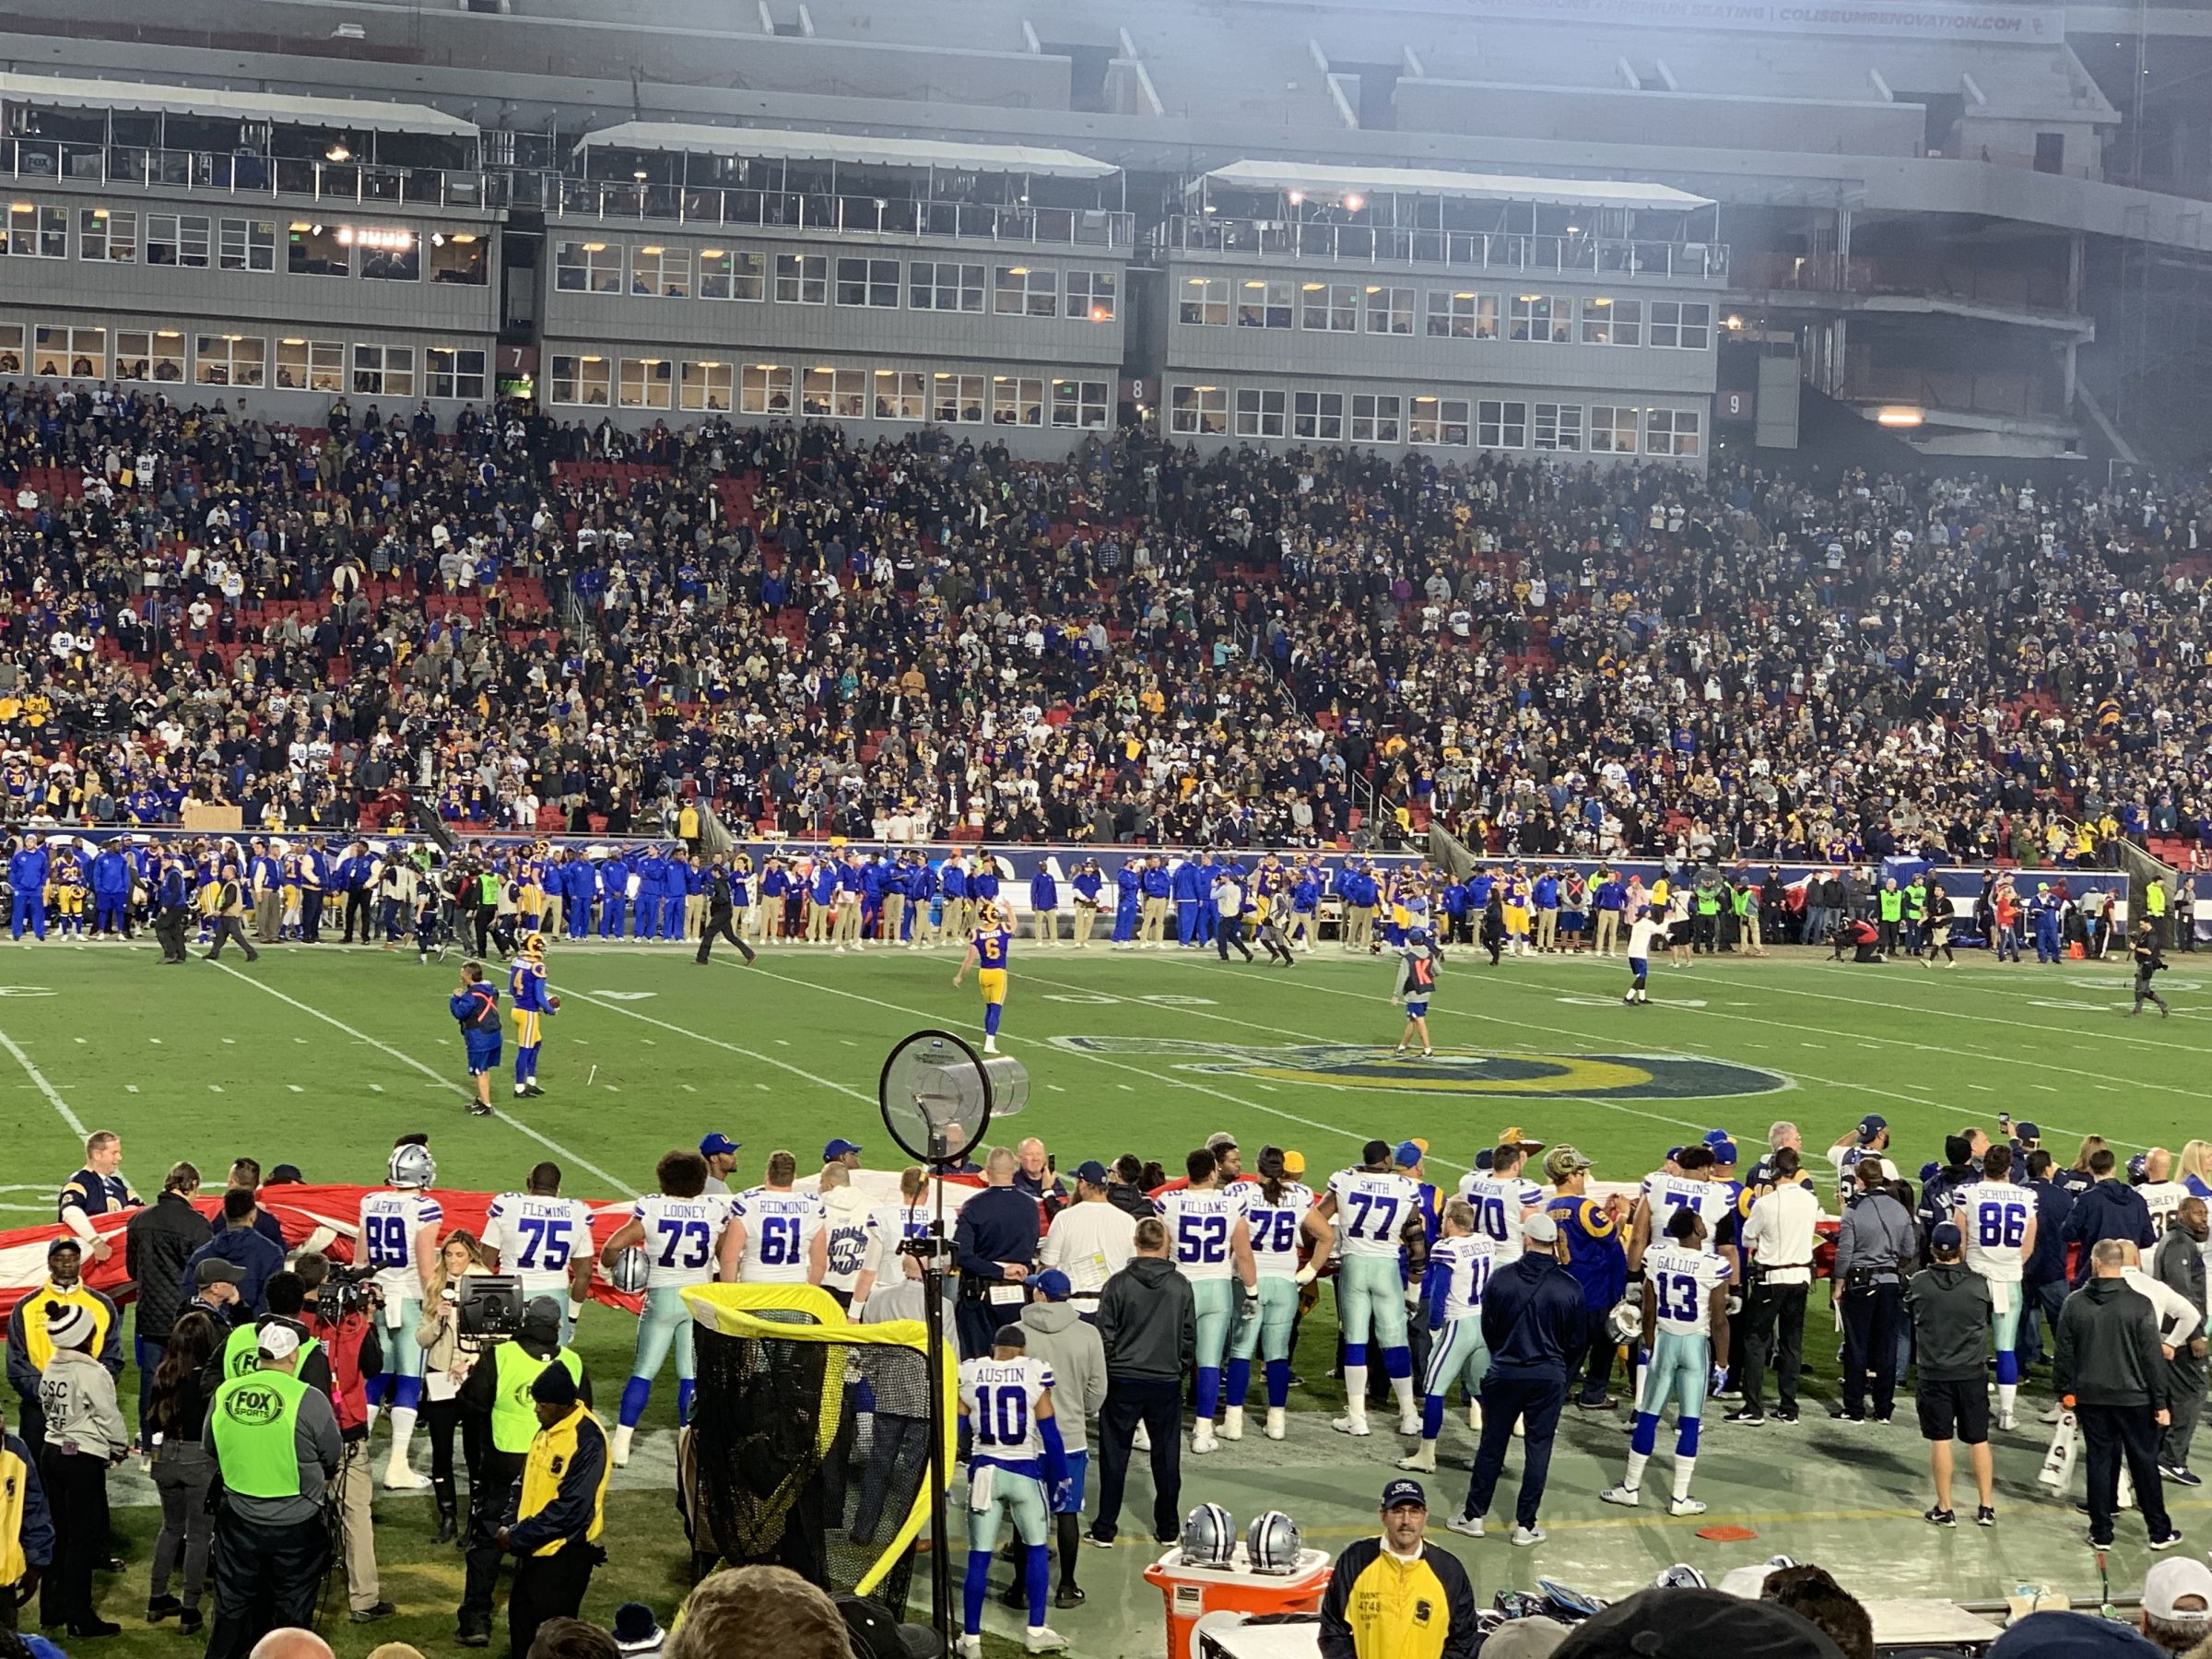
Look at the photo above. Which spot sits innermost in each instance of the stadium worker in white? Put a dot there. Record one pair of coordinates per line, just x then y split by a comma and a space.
1685, 1337
668, 1243
1006, 1408
399, 1238
1213, 1247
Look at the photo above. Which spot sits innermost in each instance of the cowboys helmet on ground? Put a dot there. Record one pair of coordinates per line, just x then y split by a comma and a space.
1624, 1323
411, 1165
1681, 1576
630, 1269
1272, 1543
1209, 1536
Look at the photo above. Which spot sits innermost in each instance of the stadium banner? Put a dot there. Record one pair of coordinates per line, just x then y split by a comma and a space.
327, 1218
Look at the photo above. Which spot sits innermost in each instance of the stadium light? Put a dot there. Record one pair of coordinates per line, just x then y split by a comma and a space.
1355, 201
337, 152
1898, 415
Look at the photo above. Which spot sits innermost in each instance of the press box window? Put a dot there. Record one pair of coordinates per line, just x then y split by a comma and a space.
71, 353
956, 399
764, 389
1438, 421
647, 383
35, 233
246, 244
898, 395
1681, 326
1329, 306
1613, 429
455, 372
1390, 311
178, 238
11, 348
585, 380
1377, 417
1456, 314
1558, 427
871, 283
1015, 401
1080, 404
732, 273
150, 355
1501, 425
1612, 322
658, 273
388, 255
1318, 415
588, 267
1263, 305
1205, 302
705, 388
835, 393
802, 279
1260, 413
945, 285
1672, 432
1024, 291
230, 361
316, 250
1091, 296
460, 259
110, 234
384, 370
310, 366
1198, 411
1544, 318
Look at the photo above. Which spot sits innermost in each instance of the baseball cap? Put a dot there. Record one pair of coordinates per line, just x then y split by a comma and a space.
1722, 1151
213, 1271
1945, 1235
718, 1145
2170, 1581
2067, 1636
1053, 1284
1871, 1124
1713, 1137
1514, 1137
2025, 1133
1408, 1154
1672, 1153
1564, 1162
1399, 1493
1667, 1623
278, 1341
1294, 1162
1540, 1229
1091, 1171
840, 1148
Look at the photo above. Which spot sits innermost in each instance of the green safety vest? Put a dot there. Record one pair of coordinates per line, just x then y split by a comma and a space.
1709, 903
1893, 905
1916, 900
254, 1418
2153, 899
1746, 901
488, 888
513, 1413
242, 1351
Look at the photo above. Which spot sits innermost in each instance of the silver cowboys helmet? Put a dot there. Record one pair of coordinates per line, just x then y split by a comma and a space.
629, 1270
1209, 1536
1624, 1323
1272, 1543
411, 1165
1681, 1576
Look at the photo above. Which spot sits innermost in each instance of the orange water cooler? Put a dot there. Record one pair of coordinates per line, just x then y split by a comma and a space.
1202, 1598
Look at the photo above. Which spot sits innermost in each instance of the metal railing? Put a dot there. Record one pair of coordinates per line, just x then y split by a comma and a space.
1384, 245
239, 173
714, 209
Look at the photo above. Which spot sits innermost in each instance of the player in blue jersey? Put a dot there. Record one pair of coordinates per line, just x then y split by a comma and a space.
532, 1006
475, 1005
987, 955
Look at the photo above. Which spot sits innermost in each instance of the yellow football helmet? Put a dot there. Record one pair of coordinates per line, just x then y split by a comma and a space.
534, 947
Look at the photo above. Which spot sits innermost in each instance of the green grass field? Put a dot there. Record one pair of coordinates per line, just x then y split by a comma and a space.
320, 1057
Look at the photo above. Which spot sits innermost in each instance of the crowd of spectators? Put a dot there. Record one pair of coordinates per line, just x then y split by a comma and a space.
552, 626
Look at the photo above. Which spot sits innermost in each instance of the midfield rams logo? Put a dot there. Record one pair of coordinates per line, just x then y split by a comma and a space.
1454, 1071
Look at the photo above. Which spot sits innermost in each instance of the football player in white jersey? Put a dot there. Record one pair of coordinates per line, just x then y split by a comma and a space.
1369, 1208
544, 1240
1459, 1268
891, 1225
1213, 1247
399, 1238
2159, 1190
678, 1227
776, 1235
1017, 1460
1692, 1188
1685, 1334
850, 1271
1504, 1196
1996, 1217
1274, 1215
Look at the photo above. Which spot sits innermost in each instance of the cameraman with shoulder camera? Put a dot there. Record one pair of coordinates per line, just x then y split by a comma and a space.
339, 1314
497, 1395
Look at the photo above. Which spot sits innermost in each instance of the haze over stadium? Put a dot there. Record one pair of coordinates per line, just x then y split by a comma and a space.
1653, 556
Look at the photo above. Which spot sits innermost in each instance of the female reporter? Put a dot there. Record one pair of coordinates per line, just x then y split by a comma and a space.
447, 1356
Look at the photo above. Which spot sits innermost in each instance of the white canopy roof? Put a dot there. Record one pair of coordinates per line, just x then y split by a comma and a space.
353, 115
1318, 179
767, 143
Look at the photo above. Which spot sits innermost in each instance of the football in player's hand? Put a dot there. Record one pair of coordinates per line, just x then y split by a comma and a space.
553, 1003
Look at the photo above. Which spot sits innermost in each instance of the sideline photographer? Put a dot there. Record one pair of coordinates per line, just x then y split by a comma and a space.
340, 1314
496, 1396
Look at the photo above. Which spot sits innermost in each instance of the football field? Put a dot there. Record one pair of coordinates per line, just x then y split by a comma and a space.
321, 1056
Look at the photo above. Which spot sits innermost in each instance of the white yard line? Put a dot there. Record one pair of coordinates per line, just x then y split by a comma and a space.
38, 1079
615, 1007
578, 1159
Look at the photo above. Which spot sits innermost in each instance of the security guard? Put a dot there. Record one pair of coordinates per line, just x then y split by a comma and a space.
557, 1511
26, 1527
497, 1395
30, 1347
1397, 1596
275, 1445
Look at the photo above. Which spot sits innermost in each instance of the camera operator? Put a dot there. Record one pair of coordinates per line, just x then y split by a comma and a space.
496, 1396
339, 1313
274, 1442
241, 1355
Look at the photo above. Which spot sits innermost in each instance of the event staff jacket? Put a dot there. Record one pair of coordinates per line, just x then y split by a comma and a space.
26, 1523
1380, 1606
275, 1445
562, 1498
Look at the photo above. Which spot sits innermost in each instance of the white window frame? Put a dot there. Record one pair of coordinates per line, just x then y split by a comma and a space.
1436, 422
1378, 418
1615, 430
1501, 423
705, 386
760, 385
969, 397
1677, 432
243, 359
1329, 306
1608, 320
108, 235
185, 235
1017, 400
337, 255
802, 279
1092, 296
733, 274
70, 344
1461, 314
582, 381
664, 271
1024, 291
304, 365
154, 346
899, 395
832, 394
38, 231
945, 285
1198, 411
1265, 303
1262, 412
1541, 319
865, 284
383, 370
1204, 302
1317, 416
1556, 428
458, 369
11, 348
1389, 310
598, 267
1681, 325
246, 244
645, 383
